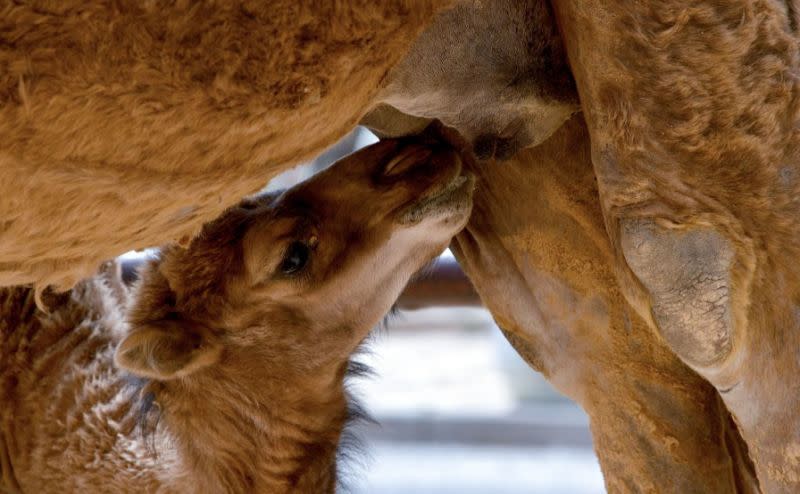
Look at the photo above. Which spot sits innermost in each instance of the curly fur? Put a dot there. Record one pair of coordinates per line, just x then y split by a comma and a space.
62, 395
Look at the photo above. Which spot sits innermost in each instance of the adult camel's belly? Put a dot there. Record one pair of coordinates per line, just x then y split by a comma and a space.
130, 125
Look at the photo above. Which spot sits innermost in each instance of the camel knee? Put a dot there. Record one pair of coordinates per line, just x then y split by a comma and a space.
687, 274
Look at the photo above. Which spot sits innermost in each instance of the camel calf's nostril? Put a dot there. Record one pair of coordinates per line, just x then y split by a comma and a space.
406, 159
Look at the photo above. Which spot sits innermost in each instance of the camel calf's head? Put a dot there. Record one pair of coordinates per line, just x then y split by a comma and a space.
293, 282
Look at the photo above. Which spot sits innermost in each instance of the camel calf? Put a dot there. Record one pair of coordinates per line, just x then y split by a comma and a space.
224, 370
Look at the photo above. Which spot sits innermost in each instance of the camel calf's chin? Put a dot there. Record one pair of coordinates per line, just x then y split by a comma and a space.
223, 370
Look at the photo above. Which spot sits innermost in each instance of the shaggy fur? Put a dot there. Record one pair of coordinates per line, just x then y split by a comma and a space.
693, 111
230, 363
128, 124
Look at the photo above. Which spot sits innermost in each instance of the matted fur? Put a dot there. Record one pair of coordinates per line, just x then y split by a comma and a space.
128, 124
62, 396
706, 93
72, 421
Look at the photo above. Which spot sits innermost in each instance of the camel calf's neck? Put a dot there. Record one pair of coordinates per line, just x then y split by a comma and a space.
224, 371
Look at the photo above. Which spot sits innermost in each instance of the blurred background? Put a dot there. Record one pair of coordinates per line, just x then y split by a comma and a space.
456, 410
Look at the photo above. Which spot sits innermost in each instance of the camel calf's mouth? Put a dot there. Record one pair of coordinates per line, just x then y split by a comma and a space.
431, 174
453, 200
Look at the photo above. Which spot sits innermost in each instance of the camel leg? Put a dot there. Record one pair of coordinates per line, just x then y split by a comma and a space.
537, 252
692, 110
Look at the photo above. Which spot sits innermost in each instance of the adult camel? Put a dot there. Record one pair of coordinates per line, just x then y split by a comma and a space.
677, 268
692, 115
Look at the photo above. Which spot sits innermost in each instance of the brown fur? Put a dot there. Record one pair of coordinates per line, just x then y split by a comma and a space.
128, 124
544, 267
538, 252
240, 364
693, 114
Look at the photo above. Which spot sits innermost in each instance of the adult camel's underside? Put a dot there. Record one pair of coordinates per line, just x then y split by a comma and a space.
129, 124
646, 261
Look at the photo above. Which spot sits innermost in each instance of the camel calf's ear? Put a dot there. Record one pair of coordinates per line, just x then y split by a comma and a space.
167, 350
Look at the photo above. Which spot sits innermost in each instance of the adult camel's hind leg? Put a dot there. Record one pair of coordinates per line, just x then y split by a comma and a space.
693, 109
537, 251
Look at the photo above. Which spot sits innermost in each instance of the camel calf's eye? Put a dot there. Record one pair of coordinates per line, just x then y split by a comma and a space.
296, 258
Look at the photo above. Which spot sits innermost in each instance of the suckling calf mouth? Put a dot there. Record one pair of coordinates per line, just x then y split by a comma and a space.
452, 199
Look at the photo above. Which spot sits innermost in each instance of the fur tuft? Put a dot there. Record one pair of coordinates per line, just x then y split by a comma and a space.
352, 454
